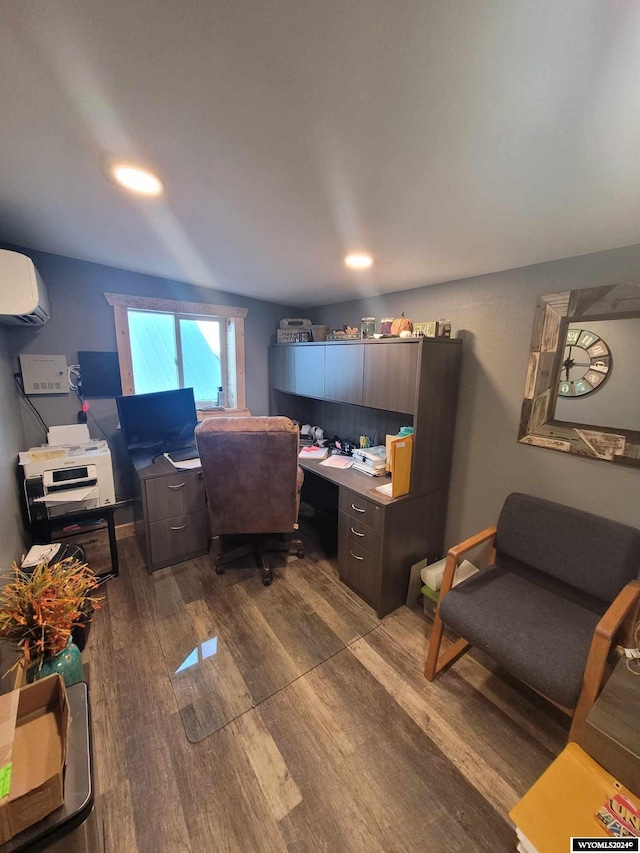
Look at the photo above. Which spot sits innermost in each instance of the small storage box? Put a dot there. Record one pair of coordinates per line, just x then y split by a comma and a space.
34, 723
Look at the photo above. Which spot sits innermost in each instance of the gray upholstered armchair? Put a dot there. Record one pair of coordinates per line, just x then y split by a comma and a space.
252, 480
561, 587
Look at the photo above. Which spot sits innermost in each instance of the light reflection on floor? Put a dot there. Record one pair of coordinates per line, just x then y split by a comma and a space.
205, 650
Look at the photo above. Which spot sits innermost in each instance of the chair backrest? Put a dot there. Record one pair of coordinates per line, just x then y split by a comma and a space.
250, 468
592, 554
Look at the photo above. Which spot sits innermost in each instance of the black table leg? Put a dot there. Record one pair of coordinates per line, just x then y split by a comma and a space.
113, 542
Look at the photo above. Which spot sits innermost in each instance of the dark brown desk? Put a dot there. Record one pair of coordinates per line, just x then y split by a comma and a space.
170, 511
380, 538
376, 387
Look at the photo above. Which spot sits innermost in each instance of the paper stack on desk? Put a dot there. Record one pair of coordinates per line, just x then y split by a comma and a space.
371, 460
315, 453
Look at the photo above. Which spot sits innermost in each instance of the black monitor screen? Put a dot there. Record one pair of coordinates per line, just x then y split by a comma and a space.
166, 418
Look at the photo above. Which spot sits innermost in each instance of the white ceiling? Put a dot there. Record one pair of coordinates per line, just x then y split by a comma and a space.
448, 138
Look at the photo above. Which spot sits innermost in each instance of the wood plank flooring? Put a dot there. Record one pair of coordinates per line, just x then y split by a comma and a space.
312, 728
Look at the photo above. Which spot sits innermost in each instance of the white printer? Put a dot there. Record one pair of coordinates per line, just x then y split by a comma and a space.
59, 480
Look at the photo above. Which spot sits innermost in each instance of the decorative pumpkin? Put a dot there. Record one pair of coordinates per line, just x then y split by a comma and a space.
401, 324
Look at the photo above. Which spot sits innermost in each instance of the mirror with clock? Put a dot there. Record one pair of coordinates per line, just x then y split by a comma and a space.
581, 389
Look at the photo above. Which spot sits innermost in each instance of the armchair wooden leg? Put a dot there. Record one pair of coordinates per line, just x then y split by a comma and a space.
431, 664
593, 676
436, 663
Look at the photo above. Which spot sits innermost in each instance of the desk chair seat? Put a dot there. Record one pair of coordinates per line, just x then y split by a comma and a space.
252, 480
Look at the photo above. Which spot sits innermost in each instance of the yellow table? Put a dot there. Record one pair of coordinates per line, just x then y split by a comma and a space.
564, 802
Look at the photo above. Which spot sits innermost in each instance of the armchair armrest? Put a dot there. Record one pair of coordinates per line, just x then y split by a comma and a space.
454, 554
622, 613
622, 606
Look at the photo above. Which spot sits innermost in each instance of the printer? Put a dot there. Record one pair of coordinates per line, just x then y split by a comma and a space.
59, 480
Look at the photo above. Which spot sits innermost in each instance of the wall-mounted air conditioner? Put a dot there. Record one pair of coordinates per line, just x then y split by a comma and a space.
23, 297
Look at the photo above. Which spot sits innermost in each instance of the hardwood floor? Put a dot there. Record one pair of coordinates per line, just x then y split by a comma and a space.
310, 728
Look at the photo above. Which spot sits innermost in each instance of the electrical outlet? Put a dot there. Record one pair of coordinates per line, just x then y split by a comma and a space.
44, 374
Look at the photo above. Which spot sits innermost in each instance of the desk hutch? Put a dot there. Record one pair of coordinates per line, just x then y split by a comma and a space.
373, 387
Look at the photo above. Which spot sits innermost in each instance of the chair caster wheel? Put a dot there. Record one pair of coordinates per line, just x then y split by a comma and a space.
219, 570
266, 581
300, 554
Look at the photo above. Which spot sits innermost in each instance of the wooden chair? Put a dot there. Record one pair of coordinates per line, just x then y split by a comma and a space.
561, 587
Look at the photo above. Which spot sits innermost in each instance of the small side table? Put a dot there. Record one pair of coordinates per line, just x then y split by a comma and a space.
611, 734
42, 530
78, 792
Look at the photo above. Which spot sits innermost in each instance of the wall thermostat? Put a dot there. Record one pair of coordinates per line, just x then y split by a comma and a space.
44, 374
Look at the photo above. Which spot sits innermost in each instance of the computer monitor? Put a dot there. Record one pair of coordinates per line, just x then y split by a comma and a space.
162, 421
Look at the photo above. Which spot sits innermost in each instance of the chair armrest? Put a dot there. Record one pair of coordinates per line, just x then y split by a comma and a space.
616, 614
457, 551
472, 542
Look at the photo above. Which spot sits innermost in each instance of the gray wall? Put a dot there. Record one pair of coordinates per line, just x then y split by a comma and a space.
615, 403
81, 319
11, 442
494, 315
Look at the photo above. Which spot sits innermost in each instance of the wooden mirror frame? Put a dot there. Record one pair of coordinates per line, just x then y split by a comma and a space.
538, 426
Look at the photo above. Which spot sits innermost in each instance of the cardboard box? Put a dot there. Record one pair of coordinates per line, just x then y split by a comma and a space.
34, 725
432, 576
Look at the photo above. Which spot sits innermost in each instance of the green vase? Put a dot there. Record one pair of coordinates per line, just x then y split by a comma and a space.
66, 663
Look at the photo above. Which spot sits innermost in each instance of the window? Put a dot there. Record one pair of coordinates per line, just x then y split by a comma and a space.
164, 344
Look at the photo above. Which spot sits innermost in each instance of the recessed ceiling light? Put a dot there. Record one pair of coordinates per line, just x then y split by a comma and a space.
136, 180
359, 261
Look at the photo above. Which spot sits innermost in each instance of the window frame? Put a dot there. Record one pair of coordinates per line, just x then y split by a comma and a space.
232, 323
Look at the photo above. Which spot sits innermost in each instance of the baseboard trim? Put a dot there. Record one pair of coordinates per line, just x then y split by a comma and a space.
124, 531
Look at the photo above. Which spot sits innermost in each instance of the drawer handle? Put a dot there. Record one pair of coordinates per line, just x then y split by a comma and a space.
355, 532
357, 508
179, 486
182, 527
355, 556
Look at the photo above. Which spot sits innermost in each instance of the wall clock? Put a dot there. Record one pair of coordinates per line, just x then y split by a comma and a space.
587, 361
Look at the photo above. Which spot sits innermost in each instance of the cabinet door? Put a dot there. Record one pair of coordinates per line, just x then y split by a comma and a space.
282, 368
390, 373
308, 370
343, 366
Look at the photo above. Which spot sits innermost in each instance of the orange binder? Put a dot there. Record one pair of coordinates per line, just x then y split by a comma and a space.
401, 451
566, 800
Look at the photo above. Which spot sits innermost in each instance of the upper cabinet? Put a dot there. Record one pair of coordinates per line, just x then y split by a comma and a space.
343, 376
377, 375
281, 365
308, 370
390, 374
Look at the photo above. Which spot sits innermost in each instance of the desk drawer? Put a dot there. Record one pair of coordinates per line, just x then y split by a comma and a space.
360, 569
175, 494
358, 507
179, 538
361, 534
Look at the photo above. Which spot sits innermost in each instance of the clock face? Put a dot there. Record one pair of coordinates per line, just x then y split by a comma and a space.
586, 363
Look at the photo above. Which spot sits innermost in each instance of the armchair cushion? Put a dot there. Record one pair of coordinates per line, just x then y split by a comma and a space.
536, 635
592, 554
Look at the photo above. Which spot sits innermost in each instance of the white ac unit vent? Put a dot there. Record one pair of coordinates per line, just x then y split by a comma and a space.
23, 296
